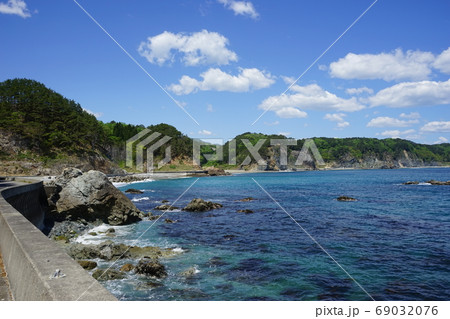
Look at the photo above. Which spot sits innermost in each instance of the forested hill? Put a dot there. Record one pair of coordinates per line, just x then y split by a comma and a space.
41, 132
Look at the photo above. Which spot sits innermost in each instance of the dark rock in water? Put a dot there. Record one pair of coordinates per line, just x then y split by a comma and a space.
151, 267
154, 217
134, 191
107, 274
110, 232
127, 268
245, 211
199, 205
169, 221
229, 237
87, 264
110, 251
90, 196
189, 273
346, 199
247, 199
166, 207
212, 171
92, 233
148, 285
433, 182
164, 201
217, 261
411, 183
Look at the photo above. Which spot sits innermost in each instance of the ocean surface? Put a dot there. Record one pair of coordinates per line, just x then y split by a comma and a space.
394, 241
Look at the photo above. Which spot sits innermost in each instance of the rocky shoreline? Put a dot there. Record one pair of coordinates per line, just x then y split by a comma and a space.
80, 202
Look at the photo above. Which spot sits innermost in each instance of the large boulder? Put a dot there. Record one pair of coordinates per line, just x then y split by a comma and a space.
200, 205
91, 196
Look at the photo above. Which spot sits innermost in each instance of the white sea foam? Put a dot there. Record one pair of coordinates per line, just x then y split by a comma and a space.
140, 199
101, 234
178, 250
424, 184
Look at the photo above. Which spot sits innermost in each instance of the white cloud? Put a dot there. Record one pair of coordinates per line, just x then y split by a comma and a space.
412, 115
215, 79
288, 112
17, 7
396, 65
397, 133
284, 133
436, 126
241, 7
343, 124
197, 48
336, 117
384, 121
204, 132
288, 79
423, 93
310, 97
209, 108
357, 91
440, 140
442, 62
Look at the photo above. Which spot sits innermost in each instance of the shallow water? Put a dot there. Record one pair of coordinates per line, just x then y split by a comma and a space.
394, 241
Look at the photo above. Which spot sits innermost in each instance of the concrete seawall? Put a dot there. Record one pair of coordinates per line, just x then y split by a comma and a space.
30, 258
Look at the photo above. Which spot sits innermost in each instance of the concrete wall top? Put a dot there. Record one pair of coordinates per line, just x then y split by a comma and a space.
31, 259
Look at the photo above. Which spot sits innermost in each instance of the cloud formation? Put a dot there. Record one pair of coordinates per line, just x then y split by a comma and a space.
310, 97
215, 79
197, 48
406, 94
358, 91
17, 7
397, 133
436, 126
396, 65
385, 121
442, 62
240, 8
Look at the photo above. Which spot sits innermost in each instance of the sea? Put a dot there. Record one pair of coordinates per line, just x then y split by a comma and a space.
300, 242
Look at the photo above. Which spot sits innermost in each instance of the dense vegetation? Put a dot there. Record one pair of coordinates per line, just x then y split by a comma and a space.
51, 126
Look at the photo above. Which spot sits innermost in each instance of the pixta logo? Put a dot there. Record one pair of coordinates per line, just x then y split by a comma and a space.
142, 147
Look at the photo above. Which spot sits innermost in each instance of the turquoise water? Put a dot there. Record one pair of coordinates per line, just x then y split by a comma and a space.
394, 241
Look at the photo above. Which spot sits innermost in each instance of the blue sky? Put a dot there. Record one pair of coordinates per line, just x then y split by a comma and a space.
231, 65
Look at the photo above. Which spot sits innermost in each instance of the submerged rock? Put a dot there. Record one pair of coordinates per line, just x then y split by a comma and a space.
127, 268
107, 274
247, 199
434, 182
189, 273
134, 191
200, 205
346, 199
151, 267
87, 264
245, 211
411, 183
166, 207
90, 196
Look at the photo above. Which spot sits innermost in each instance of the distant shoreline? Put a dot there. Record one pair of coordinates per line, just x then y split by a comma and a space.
139, 177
